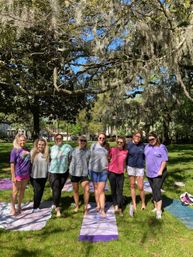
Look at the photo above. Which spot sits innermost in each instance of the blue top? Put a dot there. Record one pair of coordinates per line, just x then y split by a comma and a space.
79, 163
60, 156
136, 156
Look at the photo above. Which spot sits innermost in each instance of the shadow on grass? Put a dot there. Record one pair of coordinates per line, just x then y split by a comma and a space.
180, 148
177, 176
180, 159
153, 229
166, 201
154, 226
24, 252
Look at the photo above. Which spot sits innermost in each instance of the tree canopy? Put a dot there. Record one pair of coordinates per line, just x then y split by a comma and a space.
56, 56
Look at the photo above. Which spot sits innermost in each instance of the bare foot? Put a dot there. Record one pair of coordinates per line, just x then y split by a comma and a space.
58, 213
116, 208
98, 209
13, 212
18, 210
76, 209
85, 211
120, 212
103, 214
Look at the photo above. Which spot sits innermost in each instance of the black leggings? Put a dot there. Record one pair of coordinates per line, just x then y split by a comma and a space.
57, 182
116, 183
156, 185
38, 186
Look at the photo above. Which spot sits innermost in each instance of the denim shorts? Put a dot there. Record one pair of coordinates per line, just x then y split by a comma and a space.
98, 176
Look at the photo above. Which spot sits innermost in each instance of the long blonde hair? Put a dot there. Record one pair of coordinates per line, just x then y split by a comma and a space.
35, 149
16, 140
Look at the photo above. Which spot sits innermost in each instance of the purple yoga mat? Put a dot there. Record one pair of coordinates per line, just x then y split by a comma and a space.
5, 184
96, 228
27, 220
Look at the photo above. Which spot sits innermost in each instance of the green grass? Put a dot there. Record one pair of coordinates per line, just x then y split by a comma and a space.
142, 235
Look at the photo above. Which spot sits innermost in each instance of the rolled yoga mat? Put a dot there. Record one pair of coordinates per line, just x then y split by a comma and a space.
96, 228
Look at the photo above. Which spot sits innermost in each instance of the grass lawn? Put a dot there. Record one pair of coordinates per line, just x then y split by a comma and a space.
142, 235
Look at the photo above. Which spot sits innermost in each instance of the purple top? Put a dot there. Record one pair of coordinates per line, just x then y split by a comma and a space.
154, 156
21, 158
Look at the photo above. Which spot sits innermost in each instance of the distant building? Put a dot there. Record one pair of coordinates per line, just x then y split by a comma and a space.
11, 132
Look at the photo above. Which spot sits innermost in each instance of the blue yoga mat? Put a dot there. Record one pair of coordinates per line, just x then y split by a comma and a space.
181, 212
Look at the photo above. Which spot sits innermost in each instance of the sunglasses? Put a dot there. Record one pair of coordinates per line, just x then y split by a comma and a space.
58, 138
119, 142
151, 139
82, 140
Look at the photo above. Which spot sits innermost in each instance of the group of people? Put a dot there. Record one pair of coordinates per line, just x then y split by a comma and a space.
97, 164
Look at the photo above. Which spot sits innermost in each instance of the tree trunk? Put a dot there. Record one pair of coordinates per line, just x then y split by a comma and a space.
166, 139
36, 119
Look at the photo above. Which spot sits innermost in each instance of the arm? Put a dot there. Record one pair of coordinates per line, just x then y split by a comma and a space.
164, 153
13, 172
163, 166
109, 156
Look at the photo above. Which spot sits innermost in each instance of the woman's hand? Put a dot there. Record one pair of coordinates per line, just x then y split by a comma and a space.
13, 179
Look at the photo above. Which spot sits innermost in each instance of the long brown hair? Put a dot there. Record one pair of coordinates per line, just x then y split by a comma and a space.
124, 141
153, 134
35, 149
105, 141
138, 132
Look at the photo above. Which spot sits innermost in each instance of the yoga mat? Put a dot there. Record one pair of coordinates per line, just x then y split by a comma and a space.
5, 184
147, 187
68, 187
27, 220
96, 228
181, 212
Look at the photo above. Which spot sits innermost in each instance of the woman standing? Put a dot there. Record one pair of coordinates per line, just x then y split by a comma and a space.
98, 166
58, 170
135, 168
38, 177
156, 156
117, 156
20, 171
79, 172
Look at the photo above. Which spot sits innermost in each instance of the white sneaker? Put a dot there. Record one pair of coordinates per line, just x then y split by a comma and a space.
35, 210
158, 215
53, 207
131, 210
